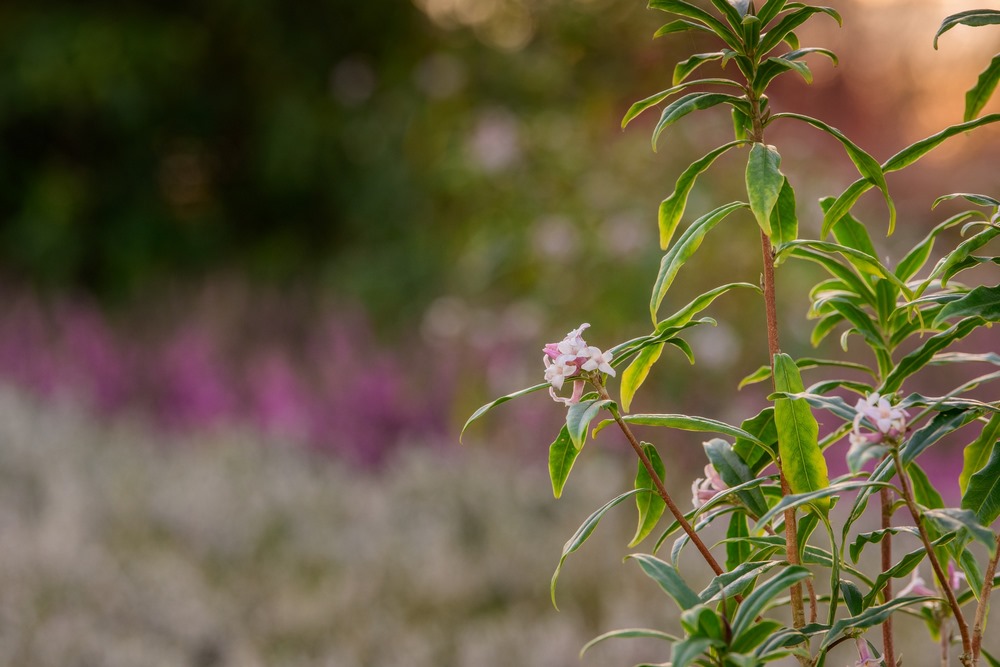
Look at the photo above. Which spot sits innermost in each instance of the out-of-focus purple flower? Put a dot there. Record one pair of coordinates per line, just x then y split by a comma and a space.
917, 586
865, 657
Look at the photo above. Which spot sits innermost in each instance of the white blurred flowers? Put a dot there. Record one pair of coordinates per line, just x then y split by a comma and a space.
888, 424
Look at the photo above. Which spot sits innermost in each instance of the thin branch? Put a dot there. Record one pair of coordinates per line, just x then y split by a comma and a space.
888, 649
979, 625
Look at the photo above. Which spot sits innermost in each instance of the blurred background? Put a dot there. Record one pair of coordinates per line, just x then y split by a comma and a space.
259, 261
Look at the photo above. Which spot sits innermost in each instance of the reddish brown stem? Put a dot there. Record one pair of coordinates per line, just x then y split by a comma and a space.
661, 489
979, 625
963, 627
888, 649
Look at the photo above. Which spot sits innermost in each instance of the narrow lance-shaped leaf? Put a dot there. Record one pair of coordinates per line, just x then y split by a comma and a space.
680, 25
503, 399
920, 357
756, 602
917, 257
734, 471
686, 245
972, 17
562, 455
649, 505
579, 416
732, 582
585, 530
685, 67
686, 423
962, 520
983, 493
870, 617
790, 22
637, 371
698, 304
798, 434
688, 104
690, 11
977, 96
628, 633
941, 425
654, 99
866, 164
764, 182
669, 580
978, 452
672, 208
737, 549
784, 220
982, 301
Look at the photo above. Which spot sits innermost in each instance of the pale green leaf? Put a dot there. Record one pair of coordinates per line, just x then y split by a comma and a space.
764, 181
562, 455
503, 399
650, 505
798, 434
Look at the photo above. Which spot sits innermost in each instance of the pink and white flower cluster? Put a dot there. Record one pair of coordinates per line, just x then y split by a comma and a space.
890, 422
572, 357
705, 488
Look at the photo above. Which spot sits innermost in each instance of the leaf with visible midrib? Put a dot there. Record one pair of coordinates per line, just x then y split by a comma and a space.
562, 455
983, 493
649, 505
798, 433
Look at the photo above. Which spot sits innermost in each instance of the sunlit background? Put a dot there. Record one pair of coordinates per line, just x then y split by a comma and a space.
259, 260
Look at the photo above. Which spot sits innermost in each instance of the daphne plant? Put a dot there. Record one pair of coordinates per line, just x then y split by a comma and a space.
767, 478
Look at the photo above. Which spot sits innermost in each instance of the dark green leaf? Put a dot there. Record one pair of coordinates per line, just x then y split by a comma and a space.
688, 10
762, 428
685, 67
983, 493
503, 399
979, 94
963, 520
562, 455
955, 261
728, 584
687, 104
680, 25
790, 22
919, 357
982, 301
866, 164
764, 183
875, 537
816, 497
737, 550
784, 221
688, 423
698, 304
849, 232
870, 617
734, 471
755, 603
672, 208
798, 434
685, 652
973, 17
650, 505
852, 596
686, 246
653, 100
941, 425
755, 636
584, 531
915, 151
579, 416
979, 451
669, 580
917, 257
769, 10
923, 490
978, 200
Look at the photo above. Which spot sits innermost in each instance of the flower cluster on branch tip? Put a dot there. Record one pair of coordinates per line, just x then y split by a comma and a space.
572, 358
888, 424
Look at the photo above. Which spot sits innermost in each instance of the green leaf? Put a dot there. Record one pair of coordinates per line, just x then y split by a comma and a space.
917, 150
655, 99
919, 357
917, 257
755, 636
628, 633
790, 22
734, 471
684, 653
688, 10
923, 490
963, 520
978, 200
798, 434
870, 617
650, 505
817, 497
686, 246
784, 221
680, 25
732, 14
875, 537
867, 165
737, 550
769, 10
579, 416
761, 427
685, 67
800, 53
672, 208
698, 304
764, 182
755, 603
686, 423
503, 399
852, 596
907, 564
954, 261
731, 583
982, 301
636, 373
983, 493
843, 204
562, 455
669, 580
941, 425
773, 67
688, 104
973, 17
859, 260
977, 96
978, 452
849, 232
584, 531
